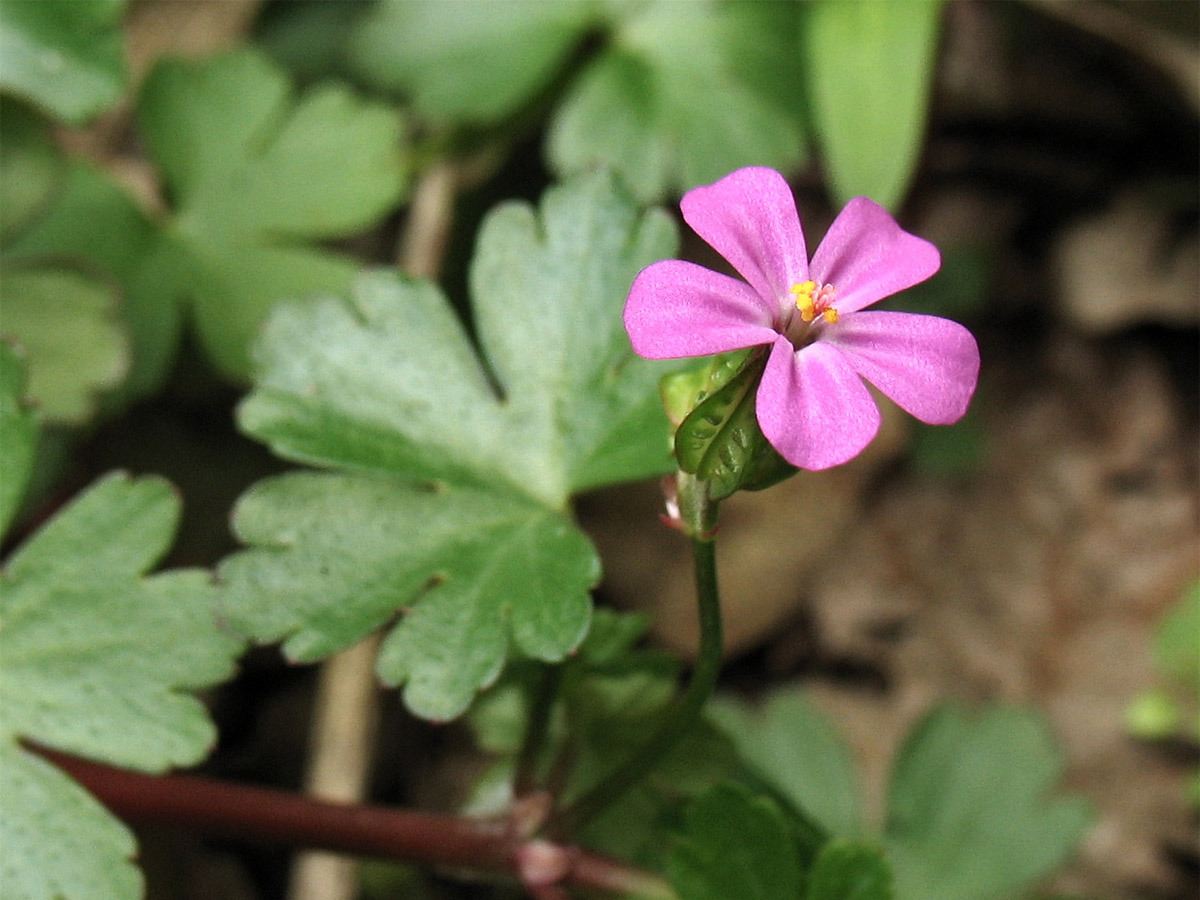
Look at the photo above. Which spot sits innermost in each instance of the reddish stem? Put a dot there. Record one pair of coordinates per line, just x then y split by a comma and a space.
276, 816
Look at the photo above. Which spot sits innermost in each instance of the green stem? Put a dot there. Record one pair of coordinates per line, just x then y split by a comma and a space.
526, 778
699, 516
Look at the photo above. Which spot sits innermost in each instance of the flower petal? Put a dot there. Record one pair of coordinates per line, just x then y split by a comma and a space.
678, 308
812, 406
749, 217
866, 256
927, 365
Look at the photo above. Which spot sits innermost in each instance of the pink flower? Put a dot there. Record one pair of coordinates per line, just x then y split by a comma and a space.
812, 404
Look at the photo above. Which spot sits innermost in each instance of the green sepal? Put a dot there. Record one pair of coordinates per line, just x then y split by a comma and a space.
720, 441
682, 390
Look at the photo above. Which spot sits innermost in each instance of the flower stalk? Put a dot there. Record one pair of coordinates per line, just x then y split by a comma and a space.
698, 514
526, 779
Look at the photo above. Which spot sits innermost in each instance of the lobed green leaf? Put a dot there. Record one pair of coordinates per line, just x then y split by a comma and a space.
575, 408
473, 571
684, 93
95, 226
389, 389
98, 662
465, 61
57, 842
790, 746
970, 815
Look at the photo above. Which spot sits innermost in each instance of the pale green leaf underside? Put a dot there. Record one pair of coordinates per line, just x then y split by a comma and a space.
971, 814
869, 67
67, 323
337, 555
255, 173
792, 747
98, 661
734, 844
18, 435
389, 382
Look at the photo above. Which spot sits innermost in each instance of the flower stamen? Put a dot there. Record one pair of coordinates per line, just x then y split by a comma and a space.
812, 300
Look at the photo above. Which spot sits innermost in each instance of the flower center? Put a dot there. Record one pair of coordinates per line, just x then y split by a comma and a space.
815, 300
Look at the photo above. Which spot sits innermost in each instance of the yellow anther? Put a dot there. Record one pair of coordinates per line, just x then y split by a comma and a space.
803, 289
804, 299
830, 315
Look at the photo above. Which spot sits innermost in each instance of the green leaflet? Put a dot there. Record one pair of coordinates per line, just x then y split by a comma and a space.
849, 871
795, 750
256, 173
677, 93
734, 844
475, 63
64, 57
66, 321
683, 94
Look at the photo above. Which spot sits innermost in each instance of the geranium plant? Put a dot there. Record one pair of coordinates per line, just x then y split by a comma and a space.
428, 443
